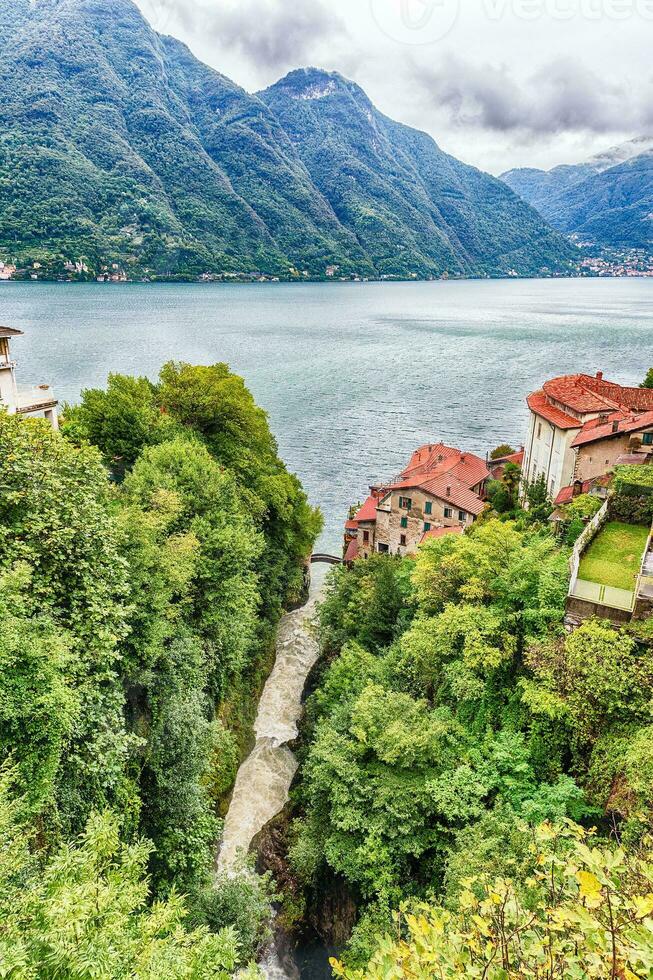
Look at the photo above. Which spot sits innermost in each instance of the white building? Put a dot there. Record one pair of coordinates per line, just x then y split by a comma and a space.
580, 425
35, 400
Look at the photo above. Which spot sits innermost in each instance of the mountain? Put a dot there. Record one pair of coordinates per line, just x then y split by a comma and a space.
403, 197
117, 145
607, 200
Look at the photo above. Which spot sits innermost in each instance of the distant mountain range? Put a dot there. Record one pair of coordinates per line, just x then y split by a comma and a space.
608, 200
118, 146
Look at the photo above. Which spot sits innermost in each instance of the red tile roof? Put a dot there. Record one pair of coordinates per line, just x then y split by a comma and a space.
452, 491
436, 460
441, 532
539, 404
585, 395
618, 424
566, 495
368, 511
429, 456
578, 392
352, 551
351, 525
517, 458
634, 399
438, 470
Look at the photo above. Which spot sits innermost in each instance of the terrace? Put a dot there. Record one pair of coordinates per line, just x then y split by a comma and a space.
612, 563
610, 574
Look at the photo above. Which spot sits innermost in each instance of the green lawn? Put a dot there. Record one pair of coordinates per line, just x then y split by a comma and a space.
615, 555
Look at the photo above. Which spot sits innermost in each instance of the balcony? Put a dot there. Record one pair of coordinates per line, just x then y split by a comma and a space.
35, 399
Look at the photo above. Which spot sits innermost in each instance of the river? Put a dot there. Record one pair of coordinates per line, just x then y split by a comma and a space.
353, 375
264, 778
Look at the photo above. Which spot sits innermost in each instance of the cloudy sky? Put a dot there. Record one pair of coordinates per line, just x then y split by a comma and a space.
498, 83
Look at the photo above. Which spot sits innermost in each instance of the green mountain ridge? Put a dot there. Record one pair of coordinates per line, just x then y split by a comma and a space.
118, 145
607, 201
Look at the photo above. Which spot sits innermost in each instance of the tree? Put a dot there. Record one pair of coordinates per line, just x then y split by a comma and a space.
56, 519
503, 494
83, 912
539, 500
119, 421
503, 450
648, 380
587, 913
591, 679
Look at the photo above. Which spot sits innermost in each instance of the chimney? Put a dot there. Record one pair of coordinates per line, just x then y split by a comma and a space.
599, 375
462, 457
577, 488
615, 426
448, 491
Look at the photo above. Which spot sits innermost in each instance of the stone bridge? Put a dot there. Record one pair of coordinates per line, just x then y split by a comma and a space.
327, 559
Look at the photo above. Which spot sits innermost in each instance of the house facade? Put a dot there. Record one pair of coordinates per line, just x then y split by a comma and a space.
17, 400
580, 426
441, 491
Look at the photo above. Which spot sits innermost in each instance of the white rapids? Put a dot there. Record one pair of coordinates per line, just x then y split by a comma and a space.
264, 778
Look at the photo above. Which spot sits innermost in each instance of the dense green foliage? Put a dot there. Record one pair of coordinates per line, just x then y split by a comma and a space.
454, 715
137, 619
119, 147
83, 912
633, 495
583, 911
648, 380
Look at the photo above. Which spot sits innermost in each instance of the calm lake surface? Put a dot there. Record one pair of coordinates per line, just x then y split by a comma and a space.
353, 375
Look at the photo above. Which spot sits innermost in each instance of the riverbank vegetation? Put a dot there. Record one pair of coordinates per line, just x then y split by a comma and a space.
138, 617
453, 722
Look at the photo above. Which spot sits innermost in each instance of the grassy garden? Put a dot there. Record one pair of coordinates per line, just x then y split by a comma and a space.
615, 555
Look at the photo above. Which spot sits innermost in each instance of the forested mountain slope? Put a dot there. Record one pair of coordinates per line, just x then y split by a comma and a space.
608, 200
118, 145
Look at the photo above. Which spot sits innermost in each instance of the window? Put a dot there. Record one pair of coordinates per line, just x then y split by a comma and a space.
404, 522
383, 549
402, 540
405, 503
448, 512
427, 526
647, 439
428, 506
462, 515
366, 537
539, 430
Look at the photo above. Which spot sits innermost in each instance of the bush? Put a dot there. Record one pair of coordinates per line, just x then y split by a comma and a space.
632, 501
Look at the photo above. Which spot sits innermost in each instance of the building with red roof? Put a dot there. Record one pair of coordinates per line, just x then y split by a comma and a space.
441, 489
581, 425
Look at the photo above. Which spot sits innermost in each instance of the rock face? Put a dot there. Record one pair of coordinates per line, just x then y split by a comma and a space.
118, 145
607, 200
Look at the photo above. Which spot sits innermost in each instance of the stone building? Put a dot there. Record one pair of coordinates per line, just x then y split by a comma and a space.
580, 426
441, 491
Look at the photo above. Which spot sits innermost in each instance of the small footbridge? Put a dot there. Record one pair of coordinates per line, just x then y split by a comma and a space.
326, 559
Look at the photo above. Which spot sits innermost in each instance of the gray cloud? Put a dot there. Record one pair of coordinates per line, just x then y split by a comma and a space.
563, 96
273, 34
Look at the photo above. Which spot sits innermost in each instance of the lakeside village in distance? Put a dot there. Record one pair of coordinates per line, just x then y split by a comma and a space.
586, 463
593, 263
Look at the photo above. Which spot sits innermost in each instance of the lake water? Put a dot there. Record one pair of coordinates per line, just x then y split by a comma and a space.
353, 375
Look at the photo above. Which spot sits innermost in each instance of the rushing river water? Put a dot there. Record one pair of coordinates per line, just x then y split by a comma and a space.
353, 375
264, 778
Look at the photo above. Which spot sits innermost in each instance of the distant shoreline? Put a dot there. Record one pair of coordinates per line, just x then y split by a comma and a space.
311, 282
